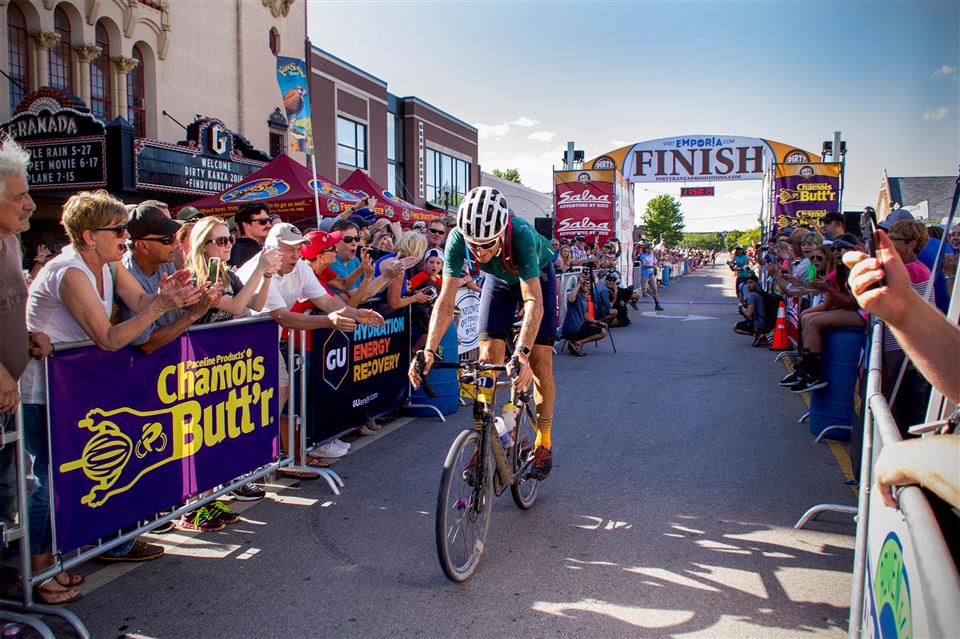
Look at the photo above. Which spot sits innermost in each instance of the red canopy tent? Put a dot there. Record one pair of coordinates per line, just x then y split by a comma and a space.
286, 186
388, 204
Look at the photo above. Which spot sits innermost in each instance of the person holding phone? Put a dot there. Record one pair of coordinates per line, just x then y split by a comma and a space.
210, 248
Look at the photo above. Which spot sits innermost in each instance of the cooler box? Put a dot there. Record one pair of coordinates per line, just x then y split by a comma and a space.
833, 405
444, 382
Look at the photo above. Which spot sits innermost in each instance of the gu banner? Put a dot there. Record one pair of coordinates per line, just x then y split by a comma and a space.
294, 87
356, 376
133, 434
583, 203
806, 192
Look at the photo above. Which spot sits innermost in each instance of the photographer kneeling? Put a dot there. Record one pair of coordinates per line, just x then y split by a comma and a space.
579, 329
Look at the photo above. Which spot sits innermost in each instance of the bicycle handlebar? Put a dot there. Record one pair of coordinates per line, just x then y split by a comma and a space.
468, 365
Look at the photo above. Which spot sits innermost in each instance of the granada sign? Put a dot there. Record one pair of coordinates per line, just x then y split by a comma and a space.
584, 203
699, 158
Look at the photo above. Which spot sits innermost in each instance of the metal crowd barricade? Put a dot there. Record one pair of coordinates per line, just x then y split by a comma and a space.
934, 588
24, 611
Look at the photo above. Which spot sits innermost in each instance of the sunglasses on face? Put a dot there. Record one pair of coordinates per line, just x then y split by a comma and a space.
166, 241
817, 258
222, 242
328, 250
262, 221
483, 246
350, 239
120, 229
436, 231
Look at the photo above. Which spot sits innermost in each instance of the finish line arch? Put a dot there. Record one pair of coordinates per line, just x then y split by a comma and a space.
690, 158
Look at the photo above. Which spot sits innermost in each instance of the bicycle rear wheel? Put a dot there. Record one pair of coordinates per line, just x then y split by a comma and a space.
524, 489
464, 504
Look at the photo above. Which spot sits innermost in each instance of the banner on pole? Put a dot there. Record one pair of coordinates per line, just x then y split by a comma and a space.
134, 434
356, 376
804, 193
295, 92
583, 202
468, 330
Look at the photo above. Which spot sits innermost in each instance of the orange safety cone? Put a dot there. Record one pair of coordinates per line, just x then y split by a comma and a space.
590, 307
780, 341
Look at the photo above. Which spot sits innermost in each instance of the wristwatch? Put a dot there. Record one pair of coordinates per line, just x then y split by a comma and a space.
524, 350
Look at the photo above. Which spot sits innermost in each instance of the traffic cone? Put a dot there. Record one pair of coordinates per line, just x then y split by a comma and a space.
780, 341
590, 307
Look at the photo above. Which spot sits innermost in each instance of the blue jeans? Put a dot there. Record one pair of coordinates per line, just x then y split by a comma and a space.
38, 505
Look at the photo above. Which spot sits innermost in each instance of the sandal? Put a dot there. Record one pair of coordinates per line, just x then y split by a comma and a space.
297, 474
317, 462
48, 592
73, 579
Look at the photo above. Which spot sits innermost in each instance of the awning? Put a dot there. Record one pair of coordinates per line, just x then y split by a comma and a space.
388, 204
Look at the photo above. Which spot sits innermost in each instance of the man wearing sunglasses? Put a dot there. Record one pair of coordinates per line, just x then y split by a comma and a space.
254, 222
518, 262
152, 246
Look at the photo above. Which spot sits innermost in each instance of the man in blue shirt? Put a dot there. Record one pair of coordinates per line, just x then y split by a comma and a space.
348, 266
578, 328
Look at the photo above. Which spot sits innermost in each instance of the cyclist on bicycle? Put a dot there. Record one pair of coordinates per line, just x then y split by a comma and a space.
519, 270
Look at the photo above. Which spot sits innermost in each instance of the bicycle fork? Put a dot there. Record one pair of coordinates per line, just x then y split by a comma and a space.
483, 414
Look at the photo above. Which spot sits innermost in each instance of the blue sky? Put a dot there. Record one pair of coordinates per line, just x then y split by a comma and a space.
533, 75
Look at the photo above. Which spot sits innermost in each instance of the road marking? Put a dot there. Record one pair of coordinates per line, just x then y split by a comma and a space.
683, 318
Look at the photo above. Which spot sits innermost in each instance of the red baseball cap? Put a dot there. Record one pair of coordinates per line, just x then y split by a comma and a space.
319, 242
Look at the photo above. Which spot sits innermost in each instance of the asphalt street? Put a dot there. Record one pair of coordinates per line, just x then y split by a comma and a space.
679, 472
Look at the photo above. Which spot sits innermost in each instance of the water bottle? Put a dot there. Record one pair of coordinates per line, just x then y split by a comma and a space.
502, 431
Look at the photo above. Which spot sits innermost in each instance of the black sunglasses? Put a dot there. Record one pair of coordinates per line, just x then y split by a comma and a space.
223, 242
262, 221
817, 258
351, 239
120, 229
166, 241
436, 231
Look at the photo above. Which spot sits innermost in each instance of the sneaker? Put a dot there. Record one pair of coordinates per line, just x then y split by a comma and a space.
761, 341
372, 425
658, 307
139, 551
576, 349
224, 513
342, 445
791, 378
164, 528
329, 450
365, 431
633, 305
542, 463
807, 384
248, 492
201, 519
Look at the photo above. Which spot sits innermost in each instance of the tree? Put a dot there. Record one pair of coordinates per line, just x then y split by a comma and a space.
708, 241
663, 219
511, 175
745, 238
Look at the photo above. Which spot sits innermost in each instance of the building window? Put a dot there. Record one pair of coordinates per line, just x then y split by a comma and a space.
61, 54
18, 55
100, 76
395, 155
278, 142
274, 41
136, 100
444, 170
351, 143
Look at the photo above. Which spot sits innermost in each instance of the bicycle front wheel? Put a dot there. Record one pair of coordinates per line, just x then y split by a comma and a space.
524, 489
464, 504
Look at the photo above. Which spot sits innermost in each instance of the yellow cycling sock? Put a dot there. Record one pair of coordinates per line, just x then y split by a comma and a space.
543, 432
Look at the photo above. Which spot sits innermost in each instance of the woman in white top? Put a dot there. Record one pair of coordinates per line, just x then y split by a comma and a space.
71, 300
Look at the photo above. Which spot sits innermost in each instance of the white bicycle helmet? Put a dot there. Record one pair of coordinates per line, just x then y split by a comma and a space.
483, 214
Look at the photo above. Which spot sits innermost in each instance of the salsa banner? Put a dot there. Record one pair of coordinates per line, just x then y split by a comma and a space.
704, 158
804, 193
356, 376
294, 89
132, 434
583, 203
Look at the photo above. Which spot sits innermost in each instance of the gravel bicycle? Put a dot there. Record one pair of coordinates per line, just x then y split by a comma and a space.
479, 466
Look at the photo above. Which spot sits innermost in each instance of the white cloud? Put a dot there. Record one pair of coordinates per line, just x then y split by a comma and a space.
493, 131
618, 143
936, 114
945, 71
543, 136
